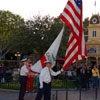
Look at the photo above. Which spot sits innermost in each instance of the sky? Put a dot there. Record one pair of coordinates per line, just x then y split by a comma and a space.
29, 8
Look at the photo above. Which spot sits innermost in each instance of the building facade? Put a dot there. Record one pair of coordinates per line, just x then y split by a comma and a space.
93, 42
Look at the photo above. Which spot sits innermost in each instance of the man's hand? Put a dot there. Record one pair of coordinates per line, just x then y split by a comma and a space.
41, 86
62, 70
32, 74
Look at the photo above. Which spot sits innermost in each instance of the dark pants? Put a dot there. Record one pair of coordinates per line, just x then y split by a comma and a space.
46, 91
83, 81
95, 81
23, 82
88, 83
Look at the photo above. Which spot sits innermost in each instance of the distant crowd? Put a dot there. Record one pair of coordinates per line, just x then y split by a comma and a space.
88, 75
6, 70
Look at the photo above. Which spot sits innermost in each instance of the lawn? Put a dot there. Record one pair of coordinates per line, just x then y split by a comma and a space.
56, 83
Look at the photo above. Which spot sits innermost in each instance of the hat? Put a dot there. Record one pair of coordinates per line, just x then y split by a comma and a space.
25, 59
46, 62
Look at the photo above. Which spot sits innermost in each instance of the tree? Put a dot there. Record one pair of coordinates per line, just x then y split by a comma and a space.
39, 29
9, 26
32, 37
43, 32
85, 25
37, 35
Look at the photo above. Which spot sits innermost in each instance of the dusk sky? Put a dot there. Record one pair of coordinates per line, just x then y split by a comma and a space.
29, 8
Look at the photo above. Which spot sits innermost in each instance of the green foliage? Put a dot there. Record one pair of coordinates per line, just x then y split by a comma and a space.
85, 25
33, 36
39, 29
37, 35
21, 41
9, 26
56, 83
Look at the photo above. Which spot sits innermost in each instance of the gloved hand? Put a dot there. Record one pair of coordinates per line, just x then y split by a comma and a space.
41, 86
62, 70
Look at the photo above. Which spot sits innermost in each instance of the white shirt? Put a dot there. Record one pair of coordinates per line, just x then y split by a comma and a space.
23, 70
45, 75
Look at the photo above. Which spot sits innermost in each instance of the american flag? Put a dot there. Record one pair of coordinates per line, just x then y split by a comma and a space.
72, 16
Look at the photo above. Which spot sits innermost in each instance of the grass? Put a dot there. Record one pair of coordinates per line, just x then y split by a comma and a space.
63, 84
10, 85
56, 83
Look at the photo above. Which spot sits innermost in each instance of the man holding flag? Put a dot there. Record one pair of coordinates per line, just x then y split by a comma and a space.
44, 68
45, 81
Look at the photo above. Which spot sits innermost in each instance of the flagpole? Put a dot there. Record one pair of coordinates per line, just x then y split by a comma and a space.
95, 6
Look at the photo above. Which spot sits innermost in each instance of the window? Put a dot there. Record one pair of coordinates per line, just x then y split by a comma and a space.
94, 34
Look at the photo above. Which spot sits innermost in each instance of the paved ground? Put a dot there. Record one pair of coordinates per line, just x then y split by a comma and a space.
61, 95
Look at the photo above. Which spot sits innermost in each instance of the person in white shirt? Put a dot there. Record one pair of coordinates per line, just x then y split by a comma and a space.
24, 73
45, 81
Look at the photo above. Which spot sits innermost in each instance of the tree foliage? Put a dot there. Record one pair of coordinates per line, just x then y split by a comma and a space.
37, 35
32, 36
44, 30
9, 25
39, 29
85, 25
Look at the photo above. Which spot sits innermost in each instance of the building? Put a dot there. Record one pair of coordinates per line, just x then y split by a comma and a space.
93, 42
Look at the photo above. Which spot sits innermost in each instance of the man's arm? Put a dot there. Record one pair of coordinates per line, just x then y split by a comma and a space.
55, 73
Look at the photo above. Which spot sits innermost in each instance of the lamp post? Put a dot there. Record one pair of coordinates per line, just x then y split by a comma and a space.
18, 55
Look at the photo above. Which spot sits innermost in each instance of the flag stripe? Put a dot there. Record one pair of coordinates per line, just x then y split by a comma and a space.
34, 71
75, 6
71, 50
71, 23
74, 10
70, 45
74, 20
70, 37
73, 14
70, 59
71, 55
71, 40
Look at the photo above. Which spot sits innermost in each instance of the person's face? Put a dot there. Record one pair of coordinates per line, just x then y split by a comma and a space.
24, 62
94, 66
48, 65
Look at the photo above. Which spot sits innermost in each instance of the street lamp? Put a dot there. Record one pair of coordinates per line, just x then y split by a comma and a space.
18, 55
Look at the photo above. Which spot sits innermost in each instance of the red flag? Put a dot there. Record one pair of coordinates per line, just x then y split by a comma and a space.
72, 16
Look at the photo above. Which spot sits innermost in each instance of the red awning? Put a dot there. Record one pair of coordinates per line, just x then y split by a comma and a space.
59, 59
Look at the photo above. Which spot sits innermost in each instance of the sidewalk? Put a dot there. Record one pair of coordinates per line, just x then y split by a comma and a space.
6, 94
61, 94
